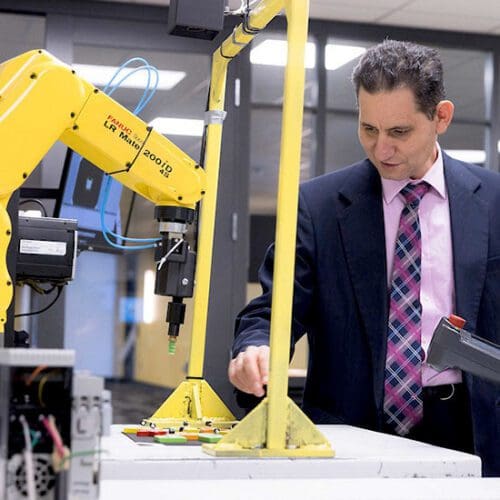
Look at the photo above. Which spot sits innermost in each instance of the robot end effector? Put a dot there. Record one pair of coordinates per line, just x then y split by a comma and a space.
175, 265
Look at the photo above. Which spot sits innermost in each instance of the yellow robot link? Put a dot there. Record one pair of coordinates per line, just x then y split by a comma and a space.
43, 100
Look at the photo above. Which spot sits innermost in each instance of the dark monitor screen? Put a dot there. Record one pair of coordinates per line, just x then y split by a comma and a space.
81, 197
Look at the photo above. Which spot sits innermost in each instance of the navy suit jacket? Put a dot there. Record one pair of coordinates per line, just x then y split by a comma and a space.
341, 296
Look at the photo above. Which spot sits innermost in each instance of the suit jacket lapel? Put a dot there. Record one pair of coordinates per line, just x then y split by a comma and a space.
469, 230
361, 223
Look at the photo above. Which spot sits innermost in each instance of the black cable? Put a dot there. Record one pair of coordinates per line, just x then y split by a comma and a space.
37, 202
249, 30
196, 221
37, 288
59, 290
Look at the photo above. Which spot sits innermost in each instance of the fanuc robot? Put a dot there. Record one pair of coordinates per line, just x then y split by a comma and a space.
41, 101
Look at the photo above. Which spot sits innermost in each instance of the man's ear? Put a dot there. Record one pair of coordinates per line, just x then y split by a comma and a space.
444, 115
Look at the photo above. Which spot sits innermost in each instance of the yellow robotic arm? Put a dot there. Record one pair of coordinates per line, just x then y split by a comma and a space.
43, 100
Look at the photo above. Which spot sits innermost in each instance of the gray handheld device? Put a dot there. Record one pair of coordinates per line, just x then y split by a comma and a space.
453, 347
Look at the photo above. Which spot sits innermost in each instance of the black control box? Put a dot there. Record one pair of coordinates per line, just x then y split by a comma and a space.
195, 18
46, 249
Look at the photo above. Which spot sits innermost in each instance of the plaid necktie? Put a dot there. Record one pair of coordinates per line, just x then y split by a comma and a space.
403, 379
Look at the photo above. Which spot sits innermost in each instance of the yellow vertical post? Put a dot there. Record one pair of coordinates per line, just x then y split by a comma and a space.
203, 403
229, 49
207, 221
286, 220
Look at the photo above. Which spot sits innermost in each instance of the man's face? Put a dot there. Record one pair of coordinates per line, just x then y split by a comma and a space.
399, 139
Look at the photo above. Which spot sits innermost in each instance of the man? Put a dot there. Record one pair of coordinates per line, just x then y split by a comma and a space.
385, 248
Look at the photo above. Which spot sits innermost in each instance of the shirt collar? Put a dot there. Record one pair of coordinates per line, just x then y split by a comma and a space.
434, 177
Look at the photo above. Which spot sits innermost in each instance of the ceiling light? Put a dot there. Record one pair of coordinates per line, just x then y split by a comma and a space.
178, 126
337, 55
101, 75
274, 53
468, 155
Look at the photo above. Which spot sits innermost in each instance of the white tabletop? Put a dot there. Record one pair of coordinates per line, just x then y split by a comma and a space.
359, 454
303, 489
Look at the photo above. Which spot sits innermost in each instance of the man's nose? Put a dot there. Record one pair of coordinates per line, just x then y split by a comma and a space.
384, 149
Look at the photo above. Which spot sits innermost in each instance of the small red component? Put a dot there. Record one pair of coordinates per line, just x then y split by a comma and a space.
158, 432
145, 433
457, 321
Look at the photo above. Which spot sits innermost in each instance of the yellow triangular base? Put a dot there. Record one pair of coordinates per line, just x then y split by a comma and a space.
248, 438
193, 403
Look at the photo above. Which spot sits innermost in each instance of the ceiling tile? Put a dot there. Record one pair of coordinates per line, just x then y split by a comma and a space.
460, 15
478, 8
454, 22
346, 12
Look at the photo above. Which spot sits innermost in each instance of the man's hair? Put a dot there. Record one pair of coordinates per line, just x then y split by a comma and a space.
393, 64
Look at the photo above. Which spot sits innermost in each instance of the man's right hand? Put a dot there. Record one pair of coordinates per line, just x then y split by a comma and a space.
249, 371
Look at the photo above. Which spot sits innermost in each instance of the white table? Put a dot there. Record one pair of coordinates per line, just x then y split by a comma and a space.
359, 454
304, 489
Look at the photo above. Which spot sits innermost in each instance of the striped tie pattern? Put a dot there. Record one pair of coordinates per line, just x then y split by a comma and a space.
403, 406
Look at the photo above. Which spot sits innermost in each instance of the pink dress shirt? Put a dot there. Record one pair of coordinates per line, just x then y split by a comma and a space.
437, 293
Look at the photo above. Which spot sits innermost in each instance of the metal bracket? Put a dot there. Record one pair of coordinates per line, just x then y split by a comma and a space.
215, 116
249, 30
193, 403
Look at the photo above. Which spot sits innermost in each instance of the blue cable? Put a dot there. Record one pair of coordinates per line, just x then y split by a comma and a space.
107, 188
145, 97
109, 89
146, 66
122, 66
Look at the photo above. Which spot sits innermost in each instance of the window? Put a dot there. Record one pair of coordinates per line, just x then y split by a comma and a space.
268, 57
